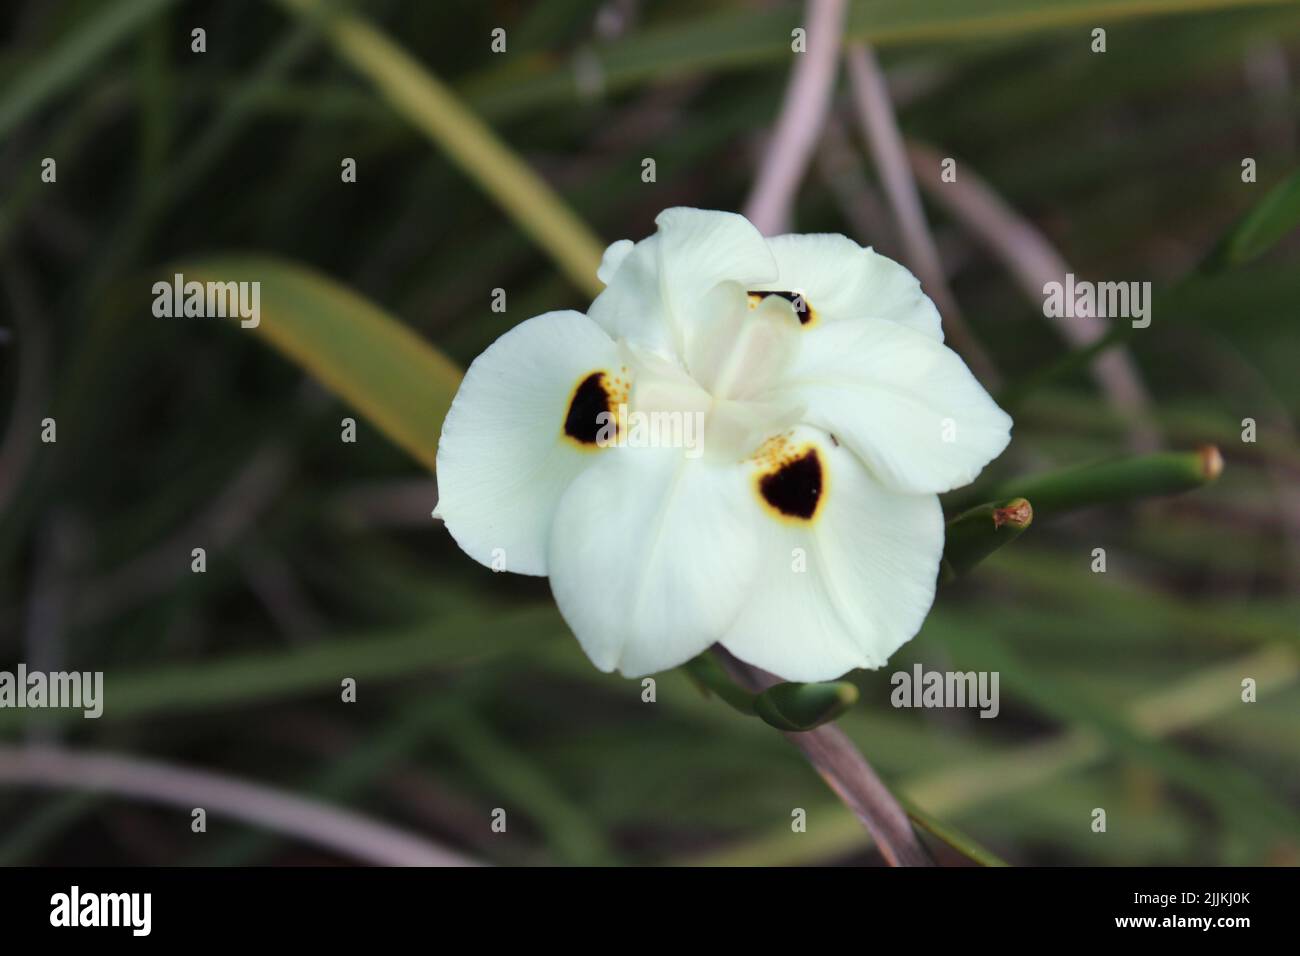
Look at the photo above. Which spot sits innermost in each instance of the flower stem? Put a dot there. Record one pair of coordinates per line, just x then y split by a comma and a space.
838, 762
975, 534
1165, 473
711, 677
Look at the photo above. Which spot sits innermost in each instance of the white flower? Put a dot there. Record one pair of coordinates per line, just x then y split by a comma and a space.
806, 538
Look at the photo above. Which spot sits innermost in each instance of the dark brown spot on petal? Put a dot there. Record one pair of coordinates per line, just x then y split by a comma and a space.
591, 398
801, 306
795, 488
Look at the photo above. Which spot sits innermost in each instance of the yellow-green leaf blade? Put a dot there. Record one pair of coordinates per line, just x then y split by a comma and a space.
400, 383
432, 108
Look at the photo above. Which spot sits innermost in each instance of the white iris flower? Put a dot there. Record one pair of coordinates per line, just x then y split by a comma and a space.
804, 533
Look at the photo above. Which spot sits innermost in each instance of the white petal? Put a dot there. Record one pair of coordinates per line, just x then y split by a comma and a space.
631, 307
504, 459
612, 259
657, 292
842, 281
906, 403
869, 560
650, 556
700, 248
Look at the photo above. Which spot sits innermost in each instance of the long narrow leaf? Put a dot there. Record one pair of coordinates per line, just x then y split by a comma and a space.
1124, 479
744, 37
262, 677
425, 102
401, 383
1277, 214
77, 54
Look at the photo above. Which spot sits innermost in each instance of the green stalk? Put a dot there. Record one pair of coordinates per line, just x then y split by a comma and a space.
709, 676
1164, 473
785, 706
975, 534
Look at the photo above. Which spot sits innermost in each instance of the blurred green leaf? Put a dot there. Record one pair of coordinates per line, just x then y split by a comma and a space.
47, 821
744, 37
205, 151
1236, 793
453, 641
1108, 601
432, 108
341, 778
75, 55
569, 830
1277, 214
399, 382
75, 128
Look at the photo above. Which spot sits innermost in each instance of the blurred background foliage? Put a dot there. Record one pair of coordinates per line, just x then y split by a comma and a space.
1119, 690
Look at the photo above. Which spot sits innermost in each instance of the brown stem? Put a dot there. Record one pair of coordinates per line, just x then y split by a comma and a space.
880, 127
1034, 262
847, 773
333, 828
803, 113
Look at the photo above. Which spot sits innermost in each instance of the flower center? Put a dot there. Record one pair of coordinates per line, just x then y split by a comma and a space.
733, 360
741, 349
